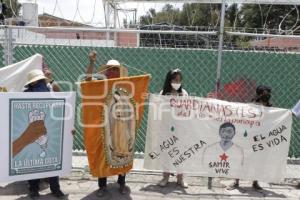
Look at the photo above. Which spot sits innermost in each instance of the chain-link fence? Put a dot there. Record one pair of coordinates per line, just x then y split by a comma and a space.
69, 63
241, 72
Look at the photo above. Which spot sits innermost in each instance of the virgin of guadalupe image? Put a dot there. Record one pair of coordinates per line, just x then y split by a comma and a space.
120, 129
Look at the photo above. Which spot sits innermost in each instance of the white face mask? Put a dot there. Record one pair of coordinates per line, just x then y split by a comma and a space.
176, 86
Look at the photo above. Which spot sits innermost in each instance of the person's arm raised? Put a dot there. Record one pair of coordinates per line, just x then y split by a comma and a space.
90, 68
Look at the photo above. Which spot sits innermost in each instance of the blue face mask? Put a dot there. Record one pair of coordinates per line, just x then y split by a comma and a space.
40, 86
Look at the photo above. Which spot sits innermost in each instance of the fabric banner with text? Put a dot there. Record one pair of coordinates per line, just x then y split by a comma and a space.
215, 138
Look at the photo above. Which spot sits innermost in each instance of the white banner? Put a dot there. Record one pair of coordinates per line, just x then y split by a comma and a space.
215, 138
35, 135
14, 77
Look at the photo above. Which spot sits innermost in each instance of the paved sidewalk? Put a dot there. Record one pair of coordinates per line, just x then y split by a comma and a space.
143, 186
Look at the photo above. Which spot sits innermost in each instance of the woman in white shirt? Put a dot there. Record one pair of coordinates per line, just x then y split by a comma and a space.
173, 86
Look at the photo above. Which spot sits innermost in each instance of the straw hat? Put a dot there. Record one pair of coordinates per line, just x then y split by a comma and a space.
114, 63
35, 75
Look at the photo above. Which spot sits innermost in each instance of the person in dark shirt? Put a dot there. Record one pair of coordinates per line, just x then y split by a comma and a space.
37, 82
263, 96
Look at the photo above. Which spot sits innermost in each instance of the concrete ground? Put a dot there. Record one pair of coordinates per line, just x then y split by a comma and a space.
143, 186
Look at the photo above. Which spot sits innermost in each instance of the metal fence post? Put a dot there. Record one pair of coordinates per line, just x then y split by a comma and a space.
5, 46
137, 39
8, 46
220, 49
209, 183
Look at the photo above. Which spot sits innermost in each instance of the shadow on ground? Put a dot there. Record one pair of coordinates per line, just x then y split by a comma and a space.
43, 197
250, 192
21, 188
171, 187
16, 188
112, 193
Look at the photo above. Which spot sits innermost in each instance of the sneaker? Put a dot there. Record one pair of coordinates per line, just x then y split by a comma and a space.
123, 189
256, 186
58, 194
183, 184
163, 182
233, 186
34, 194
101, 192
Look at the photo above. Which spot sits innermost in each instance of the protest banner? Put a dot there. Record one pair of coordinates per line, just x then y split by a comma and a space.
36, 138
14, 77
215, 138
111, 113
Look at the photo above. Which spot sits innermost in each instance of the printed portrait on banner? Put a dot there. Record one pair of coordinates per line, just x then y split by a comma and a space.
224, 156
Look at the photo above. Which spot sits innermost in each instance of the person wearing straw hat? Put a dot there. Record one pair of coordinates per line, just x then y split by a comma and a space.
112, 69
41, 77
37, 82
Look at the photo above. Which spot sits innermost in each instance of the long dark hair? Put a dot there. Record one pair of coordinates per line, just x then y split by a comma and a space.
171, 75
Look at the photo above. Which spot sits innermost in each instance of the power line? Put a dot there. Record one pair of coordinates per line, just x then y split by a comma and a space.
294, 26
125, 12
75, 14
60, 11
267, 16
12, 9
148, 14
54, 9
94, 11
93, 16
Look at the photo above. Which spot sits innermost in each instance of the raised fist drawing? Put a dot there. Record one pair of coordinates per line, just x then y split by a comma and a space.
35, 132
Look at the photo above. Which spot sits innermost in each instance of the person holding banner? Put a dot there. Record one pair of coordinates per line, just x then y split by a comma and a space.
37, 82
263, 96
112, 69
296, 110
52, 85
173, 86
296, 113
